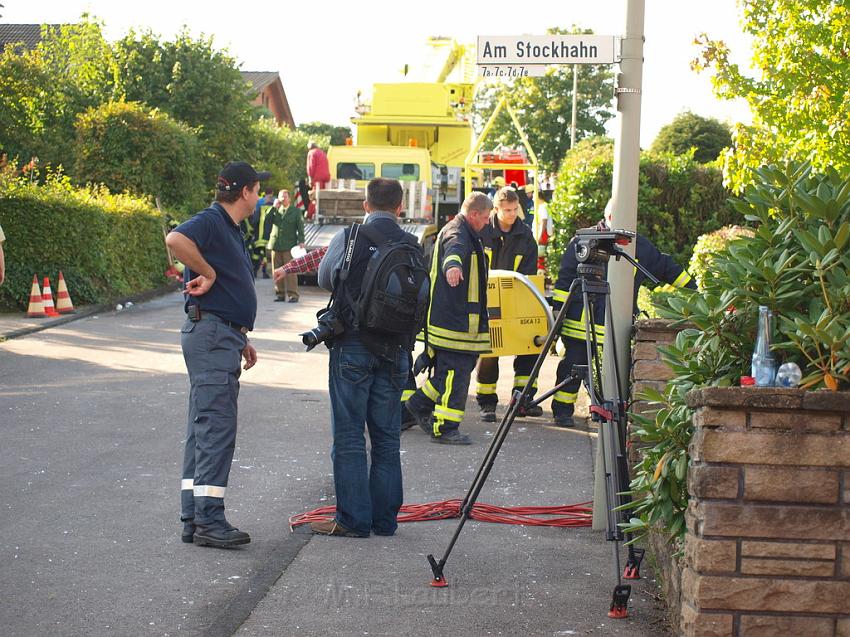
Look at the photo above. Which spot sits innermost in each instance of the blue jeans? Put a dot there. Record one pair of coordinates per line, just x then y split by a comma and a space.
366, 390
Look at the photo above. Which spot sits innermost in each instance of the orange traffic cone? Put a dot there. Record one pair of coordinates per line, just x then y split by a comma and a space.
63, 299
47, 298
36, 307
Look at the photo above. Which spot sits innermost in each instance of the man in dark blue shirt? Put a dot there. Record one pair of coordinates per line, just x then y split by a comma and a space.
221, 306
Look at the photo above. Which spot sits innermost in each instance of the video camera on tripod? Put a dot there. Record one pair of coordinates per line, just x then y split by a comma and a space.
594, 247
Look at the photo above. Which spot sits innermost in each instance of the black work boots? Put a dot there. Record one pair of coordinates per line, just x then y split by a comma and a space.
220, 535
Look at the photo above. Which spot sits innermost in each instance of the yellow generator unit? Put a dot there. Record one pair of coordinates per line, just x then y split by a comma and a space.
520, 317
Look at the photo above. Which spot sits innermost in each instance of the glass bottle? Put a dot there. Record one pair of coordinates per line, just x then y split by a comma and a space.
764, 363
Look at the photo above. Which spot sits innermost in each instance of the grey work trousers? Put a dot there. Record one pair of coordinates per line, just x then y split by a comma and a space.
212, 351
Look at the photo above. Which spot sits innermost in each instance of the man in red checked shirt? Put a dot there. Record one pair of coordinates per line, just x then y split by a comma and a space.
308, 263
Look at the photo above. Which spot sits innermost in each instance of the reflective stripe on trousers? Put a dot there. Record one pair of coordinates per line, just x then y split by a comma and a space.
212, 352
446, 391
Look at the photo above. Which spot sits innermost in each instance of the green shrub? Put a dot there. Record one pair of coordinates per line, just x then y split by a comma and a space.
106, 245
710, 244
582, 190
131, 148
796, 261
281, 151
678, 198
706, 135
705, 249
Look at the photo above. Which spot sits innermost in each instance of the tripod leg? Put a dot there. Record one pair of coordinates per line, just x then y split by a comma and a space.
609, 413
495, 446
635, 555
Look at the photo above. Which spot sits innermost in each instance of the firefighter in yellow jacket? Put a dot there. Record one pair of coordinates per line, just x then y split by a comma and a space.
662, 266
457, 330
509, 245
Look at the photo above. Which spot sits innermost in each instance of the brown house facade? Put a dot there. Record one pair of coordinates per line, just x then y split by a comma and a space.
268, 88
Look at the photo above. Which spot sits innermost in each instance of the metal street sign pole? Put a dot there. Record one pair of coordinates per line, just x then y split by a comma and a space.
575, 108
625, 191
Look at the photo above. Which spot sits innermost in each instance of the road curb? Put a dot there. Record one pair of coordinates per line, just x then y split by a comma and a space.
141, 297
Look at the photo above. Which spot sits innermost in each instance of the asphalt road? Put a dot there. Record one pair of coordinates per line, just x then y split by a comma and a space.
92, 419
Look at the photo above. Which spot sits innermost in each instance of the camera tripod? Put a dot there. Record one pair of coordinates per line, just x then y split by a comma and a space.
609, 412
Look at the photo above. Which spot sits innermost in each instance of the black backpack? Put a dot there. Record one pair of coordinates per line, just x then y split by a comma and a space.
395, 289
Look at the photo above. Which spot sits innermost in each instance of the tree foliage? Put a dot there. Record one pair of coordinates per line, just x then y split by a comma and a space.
43, 90
336, 134
798, 94
193, 82
130, 148
25, 114
678, 198
706, 135
543, 106
142, 115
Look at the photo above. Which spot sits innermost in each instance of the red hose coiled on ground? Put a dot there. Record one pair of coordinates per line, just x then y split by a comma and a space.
565, 515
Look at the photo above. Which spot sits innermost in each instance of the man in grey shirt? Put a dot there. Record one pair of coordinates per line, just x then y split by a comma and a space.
366, 375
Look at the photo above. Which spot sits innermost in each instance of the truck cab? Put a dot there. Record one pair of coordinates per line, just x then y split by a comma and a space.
361, 163
351, 168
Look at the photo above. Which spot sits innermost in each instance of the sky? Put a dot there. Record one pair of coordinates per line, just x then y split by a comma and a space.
328, 51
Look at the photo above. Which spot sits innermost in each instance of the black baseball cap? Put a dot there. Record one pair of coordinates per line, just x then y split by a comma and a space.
238, 174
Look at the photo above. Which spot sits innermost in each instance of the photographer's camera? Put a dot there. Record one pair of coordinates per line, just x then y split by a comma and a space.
329, 325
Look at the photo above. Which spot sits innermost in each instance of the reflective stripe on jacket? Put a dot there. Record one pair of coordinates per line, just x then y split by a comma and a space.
264, 227
457, 316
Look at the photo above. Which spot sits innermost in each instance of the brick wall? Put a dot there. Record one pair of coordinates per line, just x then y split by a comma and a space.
648, 370
767, 549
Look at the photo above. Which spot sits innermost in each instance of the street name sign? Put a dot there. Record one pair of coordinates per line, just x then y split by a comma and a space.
546, 49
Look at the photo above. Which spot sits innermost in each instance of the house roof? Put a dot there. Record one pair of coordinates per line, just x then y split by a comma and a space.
259, 79
267, 85
27, 34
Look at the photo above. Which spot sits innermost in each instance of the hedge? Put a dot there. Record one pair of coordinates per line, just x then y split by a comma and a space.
106, 245
679, 199
131, 148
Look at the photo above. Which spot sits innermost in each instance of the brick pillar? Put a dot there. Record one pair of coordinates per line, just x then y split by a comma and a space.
767, 549
648, 370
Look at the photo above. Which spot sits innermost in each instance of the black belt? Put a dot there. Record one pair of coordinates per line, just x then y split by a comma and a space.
214, 317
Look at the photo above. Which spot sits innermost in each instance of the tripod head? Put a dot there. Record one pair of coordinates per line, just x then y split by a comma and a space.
596, 245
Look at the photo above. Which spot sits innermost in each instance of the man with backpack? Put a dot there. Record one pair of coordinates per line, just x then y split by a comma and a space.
457, 329
379, 287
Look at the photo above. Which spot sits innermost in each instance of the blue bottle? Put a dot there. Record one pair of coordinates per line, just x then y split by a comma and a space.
764, 364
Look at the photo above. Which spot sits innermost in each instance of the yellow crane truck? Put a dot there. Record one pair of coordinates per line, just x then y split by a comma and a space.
417, 132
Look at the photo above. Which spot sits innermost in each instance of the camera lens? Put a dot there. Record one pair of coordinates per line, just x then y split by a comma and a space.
311, 338
315, 336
